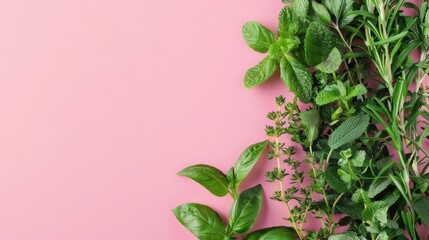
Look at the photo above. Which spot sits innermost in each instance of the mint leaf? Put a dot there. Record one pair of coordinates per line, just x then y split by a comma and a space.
318, 43
332, 63
377, 187
322, 13
245, 210
288, 27
260, 73
297, 77
334, 180
258, 37
201, 220
422, 208
356, 90
329, 94
348, 131
209, 177
347, 17
300, 7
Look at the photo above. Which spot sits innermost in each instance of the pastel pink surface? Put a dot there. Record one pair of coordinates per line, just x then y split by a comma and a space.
102, 102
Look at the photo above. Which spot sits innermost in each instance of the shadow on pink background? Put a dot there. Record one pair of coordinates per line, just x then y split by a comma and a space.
102, 102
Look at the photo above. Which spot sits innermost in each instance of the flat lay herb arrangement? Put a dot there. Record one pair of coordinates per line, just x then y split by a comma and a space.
363, 130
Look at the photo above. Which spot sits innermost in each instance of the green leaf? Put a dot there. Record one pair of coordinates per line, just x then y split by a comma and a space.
209, 177
260, 73
274, 233
382, 236
358, 159
329, 94
310, 118
288, 26
347, 15
322, 12
318, 43
342, 9
336, 7
332, 63
297, 77
348, 131
376, 212
356, 90
245, 210
247, 160
346, 236
377, 187
258, 37
311, 133
391, 39
422, 208
300, 8
334, 181
202, 221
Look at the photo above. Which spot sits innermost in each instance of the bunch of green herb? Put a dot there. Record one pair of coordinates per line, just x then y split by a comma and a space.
364, 128
324, 50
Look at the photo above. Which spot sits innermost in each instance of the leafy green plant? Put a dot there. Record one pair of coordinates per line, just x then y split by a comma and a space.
358, 157
205, 223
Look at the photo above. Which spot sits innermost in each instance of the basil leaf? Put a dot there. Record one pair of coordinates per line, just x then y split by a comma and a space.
300, 8
260, 73
318, 43
332, 63
422, 208
296, 77
322, 12
349, 130
247, 160
245, 210
209, 177
258, 37
329, 94
201, 220
274, 233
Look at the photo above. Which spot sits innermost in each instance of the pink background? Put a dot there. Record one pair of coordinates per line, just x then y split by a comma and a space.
102, 102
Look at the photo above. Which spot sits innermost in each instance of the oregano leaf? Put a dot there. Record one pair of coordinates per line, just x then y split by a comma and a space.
348, 131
